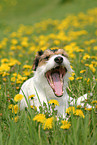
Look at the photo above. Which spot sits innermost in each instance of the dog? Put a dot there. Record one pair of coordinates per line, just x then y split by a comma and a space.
51, 75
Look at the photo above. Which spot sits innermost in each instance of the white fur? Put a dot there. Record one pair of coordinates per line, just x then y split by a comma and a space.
39, 84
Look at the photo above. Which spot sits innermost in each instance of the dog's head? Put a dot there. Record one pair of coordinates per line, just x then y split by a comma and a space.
54, 66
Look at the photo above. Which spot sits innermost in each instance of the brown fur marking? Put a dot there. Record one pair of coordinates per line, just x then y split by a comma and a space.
41, 60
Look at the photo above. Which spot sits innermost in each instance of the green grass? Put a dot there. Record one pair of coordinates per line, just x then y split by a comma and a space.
33, 36
29, 12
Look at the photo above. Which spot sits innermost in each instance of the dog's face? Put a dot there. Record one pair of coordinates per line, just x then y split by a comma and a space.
55, 67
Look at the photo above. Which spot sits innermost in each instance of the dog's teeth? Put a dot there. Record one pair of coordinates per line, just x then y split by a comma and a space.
62, 83
61, 78
52, 84
51, 79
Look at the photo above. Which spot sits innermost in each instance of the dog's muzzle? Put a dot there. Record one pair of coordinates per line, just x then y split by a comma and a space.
55, 76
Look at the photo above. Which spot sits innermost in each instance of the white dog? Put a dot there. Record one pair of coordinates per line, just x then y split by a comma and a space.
52, 72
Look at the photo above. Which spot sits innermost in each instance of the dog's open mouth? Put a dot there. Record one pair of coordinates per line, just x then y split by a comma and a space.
55, 78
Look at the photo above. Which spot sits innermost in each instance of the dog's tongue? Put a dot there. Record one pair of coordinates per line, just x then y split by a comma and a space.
57, 84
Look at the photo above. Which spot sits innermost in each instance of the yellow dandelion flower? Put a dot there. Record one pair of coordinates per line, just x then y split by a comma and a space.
15, 74
71, 66
93, 41
94, 57
33, 107
4, 79
52, 48
27, 66
14, 41
18, 47
18, 97
80, 113
80, 50
26, 73
82, 71
19, 81
20, 55
65, 124
13, 79
1, 46
88, 80
31, 96
4, 67
71, 78
13, 62
17, 88
55, 102
24, 43
86, 56
57, 42
39, 118
4, 60
23, 78
94, 102
86, 64
88, 109
94, 63
13, 48
73, 74
92, 68
78, 106
15, 119
5, 74
87, 42
43, 48
10, 106
15, 109
48, 123
95, 48
70, 110
78, 78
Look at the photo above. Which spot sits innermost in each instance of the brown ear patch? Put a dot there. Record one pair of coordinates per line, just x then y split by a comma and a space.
40, 52
42, 57
37, 58
35, 63
62, 52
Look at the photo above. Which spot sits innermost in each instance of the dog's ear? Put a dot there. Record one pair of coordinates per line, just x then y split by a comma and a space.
65, 54
40, 52
62, 51
36, 61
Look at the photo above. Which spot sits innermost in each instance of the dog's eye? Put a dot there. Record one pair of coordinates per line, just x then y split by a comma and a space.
47, 57
63, 55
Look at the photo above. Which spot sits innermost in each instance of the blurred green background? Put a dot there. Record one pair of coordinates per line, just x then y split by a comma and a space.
27, 12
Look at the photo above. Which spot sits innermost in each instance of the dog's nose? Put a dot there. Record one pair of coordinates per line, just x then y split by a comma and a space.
58, 59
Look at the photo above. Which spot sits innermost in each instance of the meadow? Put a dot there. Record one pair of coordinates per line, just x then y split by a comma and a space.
71, 26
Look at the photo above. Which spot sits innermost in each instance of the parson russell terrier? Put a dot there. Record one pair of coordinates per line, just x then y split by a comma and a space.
51, 75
